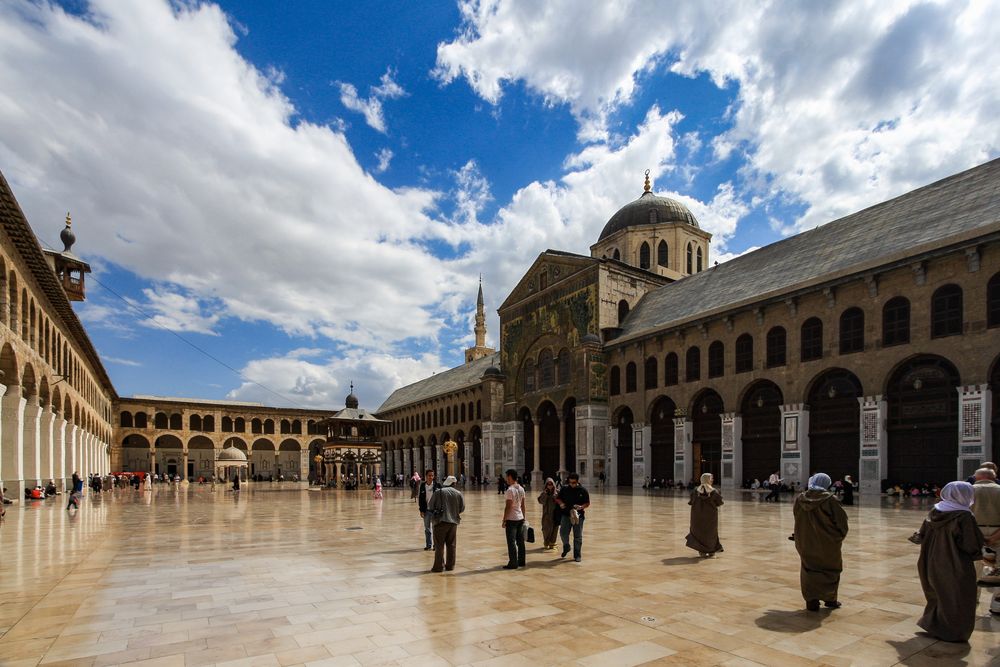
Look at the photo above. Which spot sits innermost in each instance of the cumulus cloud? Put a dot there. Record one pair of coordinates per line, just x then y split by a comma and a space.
313, 378
170, 309
384, 157
201, 177
839, 104
371, 107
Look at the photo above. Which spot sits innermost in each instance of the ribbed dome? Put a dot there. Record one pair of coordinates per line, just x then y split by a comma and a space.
351, 401
232, 454
637, 213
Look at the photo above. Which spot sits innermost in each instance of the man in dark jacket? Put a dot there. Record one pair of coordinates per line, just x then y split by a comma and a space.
424, 492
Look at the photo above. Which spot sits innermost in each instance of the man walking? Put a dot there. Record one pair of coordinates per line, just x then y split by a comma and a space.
445, 508
573, 499
986, 508
426, 490
513, 521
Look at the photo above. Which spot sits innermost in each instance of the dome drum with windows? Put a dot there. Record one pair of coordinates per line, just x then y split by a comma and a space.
656, 234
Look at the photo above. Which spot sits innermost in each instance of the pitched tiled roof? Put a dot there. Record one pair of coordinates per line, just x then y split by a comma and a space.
24, 240
453, 379
953, 210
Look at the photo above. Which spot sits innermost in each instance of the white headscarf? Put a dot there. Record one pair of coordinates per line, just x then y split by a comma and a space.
706, 483
820, 482
449, 480
956, 497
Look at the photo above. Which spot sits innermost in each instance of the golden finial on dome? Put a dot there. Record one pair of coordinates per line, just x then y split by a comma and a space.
69, 220
646, 187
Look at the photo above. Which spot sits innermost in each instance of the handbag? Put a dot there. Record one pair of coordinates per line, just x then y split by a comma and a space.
529, 534
574, 516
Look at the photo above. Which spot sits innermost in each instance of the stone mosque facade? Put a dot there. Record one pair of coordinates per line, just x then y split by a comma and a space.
868, 346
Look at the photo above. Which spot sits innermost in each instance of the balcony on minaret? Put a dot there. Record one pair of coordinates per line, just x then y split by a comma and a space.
69, 269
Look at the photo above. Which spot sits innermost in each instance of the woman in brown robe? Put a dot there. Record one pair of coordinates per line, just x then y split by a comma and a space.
550, 527
704, 534
949, 542
820, 529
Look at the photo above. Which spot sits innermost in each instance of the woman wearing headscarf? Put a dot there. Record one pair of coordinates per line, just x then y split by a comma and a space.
704, 534
820, 529
848, 490
949, 542
550, 524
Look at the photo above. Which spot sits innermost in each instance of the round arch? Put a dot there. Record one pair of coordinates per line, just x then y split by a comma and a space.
548, 437
834, 423
706, 440
922, 420
135, 453
760, 409
169, 457
661, 439
201, 458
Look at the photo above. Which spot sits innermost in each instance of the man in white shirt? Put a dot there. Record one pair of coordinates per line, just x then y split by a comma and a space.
513, 521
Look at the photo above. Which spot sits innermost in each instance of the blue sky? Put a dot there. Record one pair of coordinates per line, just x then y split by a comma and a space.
308, 191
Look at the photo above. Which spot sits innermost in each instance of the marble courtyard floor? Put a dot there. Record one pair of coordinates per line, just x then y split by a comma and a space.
190, 577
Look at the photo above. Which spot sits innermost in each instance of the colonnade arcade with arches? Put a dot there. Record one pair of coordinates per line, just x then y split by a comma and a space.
184, 437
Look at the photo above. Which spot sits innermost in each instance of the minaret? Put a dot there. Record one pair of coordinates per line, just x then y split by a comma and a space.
480, 350
69, 268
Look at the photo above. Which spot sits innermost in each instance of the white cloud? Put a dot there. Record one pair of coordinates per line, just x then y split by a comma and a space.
384, 156
186, 165
310, 378
471, 194
174, 311
120, 361
371, 107
839, 104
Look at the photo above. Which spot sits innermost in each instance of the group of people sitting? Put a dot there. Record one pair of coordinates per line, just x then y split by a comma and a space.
905, 489
40, 493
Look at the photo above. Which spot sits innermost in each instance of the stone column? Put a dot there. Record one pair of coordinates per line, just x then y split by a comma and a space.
32, 441
975, 406
562, 444
12, 445
536, 471
3, 392
732, 450
641, 464
184, 464
407, 465
683, 454
428, 458
874, 444
439, 458
593, 454
467, 459
72, 434
794, 456
46, 422
59, 471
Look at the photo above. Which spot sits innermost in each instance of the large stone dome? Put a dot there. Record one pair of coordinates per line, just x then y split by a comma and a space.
649, 209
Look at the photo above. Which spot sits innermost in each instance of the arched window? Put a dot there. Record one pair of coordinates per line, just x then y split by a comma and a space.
240, 425
194, 423
896, 322
693, 366
993, 301
744, 353
644, 255
176, 422
140, 420
622, 311
663, 254
161, 421
615, 386
208, 424
479, 409
227, 424
563, 369
716, 359
650, 372
690, 259
286, 426
812, 339
946, 311
699, 260
297, 426
852, 331
616, 255
630, 379
269, 426
126, 420
528, 376
670, 371
434, 419
546, 369
256, 426
462, 414
776, 347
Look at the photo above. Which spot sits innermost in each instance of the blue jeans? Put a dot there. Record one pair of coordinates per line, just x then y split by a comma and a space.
427, 529
515, 542
564, 527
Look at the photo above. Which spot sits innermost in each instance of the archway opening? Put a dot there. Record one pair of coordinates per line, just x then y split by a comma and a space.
706, 439
661, 439
761, 412
834, 424
623, 422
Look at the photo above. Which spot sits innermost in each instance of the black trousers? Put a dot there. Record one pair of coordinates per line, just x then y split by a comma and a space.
515, 542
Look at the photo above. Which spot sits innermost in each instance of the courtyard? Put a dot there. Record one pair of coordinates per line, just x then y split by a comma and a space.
288, 577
